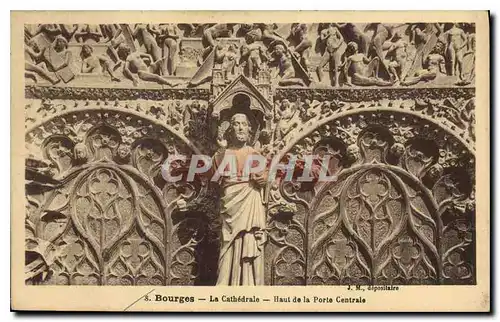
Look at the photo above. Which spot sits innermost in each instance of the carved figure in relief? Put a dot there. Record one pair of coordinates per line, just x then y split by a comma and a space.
241, 260
94, 64
211, 34
49, 31
68, 31
435, 172
397, 150
433, 65
299, 43
169, 38
360, 70
123, 152
35, 65
468, 118
80, 154
59, 59
456, 41
261, 32
230, 60
87, 31
334, 49
135, 64
288, 119
469, 64
177, 114
225, 59
144, 33
251, 57
420, 32
351, 32
381, 34
397, 56
113, 35
352, 153
110, 32
284, 70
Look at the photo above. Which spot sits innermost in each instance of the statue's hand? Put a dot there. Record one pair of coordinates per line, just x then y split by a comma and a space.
259, 235
182, 205
258, 178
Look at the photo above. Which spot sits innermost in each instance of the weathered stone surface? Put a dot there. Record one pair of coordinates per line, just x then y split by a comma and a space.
107, 104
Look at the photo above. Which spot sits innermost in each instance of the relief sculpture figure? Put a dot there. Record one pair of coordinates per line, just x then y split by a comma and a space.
34, 64
93, 64
135, 64
360, 70
241, 260
373, 132
456, 42
334, 49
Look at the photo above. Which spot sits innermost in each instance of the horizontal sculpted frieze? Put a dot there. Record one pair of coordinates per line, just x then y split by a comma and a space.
314, 55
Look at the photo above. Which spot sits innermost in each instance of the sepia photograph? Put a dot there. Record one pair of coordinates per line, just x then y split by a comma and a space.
184, 154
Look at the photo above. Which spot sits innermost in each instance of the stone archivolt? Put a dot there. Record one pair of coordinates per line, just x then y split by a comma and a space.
99, 212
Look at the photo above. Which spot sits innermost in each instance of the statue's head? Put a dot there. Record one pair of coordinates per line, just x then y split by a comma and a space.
324, 34
352, 47
86, 51
397, 150
279, 50
80, 152
123, 51
285, 104
240, 128
435, 171
438, 48
60, 43
352, 153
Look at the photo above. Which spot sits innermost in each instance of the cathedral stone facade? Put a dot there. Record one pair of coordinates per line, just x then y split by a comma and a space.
393, 105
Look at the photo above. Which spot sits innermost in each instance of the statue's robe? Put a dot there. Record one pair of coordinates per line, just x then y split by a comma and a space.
241, 260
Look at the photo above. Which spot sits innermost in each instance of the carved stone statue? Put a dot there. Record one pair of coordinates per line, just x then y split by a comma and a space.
93, 64
211, 34
241, 260
251, 57
169, 38
135, 65
397, 56
433, 66
284, 69
334, 50
35, 64
289, 118
144, 34
59, 59
360, 70
351, 32
87, 31
456, 41
299, 43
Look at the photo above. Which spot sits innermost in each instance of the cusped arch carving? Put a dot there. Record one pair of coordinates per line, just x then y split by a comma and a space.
383, 151
125, 235
362, 229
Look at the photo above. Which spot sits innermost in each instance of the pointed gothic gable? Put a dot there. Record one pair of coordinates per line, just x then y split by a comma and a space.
242, 85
